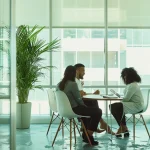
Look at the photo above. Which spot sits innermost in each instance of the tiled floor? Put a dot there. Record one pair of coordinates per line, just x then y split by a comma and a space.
35, 139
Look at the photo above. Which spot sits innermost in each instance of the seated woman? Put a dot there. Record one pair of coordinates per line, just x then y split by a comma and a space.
69, 86
132, 101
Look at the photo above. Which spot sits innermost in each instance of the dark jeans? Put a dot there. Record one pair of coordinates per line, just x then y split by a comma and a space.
118, 113
89, 103
94, 113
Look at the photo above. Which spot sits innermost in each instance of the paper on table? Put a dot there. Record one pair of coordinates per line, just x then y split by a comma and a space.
110, 96
97, 96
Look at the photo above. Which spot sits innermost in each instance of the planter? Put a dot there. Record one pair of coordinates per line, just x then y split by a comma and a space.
23, 115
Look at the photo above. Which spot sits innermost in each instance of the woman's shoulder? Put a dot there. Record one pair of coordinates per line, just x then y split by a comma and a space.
57, 86
71, 83
133, 85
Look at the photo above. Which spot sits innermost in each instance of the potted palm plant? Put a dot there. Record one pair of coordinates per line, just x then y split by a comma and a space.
29, 50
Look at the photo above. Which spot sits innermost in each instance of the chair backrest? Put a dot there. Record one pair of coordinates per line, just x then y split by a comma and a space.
52, 100
146, 96
63, 105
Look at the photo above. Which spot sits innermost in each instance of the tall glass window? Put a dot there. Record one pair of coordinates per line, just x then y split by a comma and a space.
5, 79
81, 26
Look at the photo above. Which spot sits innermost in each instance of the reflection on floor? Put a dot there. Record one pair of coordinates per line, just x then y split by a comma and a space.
4, 137
35, 139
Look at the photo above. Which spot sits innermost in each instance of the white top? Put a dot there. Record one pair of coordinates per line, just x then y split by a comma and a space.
79, 84
133, 101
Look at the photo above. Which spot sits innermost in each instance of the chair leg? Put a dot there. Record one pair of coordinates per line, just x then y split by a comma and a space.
57, 131
133, 126
63, 128
86, 132
77, 126
50, 123
70, 133
74, 127
145, 125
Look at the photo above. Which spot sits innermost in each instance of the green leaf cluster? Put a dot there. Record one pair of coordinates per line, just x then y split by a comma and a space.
29, 61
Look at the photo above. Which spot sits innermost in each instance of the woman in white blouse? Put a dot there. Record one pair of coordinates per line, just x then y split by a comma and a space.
132, 101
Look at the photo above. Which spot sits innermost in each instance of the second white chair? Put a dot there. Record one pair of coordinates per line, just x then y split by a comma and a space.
53, 108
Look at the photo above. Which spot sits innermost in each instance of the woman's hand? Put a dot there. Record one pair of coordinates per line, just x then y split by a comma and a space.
97, 92
82, 93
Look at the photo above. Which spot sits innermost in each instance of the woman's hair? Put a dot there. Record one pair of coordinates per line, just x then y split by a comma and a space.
130, 75
69, 74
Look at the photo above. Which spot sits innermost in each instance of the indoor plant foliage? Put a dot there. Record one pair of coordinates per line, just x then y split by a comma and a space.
28, 62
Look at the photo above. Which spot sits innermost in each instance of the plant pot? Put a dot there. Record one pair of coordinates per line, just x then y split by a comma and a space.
23, 115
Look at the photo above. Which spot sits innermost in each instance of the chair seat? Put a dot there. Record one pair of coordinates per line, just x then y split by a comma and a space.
75, 116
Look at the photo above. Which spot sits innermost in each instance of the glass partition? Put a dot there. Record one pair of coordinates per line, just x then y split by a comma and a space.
6, 141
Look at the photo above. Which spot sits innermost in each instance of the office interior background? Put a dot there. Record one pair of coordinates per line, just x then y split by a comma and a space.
104, 35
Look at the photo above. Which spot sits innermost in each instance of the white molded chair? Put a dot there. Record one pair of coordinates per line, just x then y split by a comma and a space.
53, 108
65, 110
146, 96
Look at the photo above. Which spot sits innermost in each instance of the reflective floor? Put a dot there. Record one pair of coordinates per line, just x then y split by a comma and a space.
35, 139
4, 137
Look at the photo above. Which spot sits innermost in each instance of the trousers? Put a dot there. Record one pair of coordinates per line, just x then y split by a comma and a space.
118, 113
95, 114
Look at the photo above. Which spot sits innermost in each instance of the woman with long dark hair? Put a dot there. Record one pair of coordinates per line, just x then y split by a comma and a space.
132, 101
69, 86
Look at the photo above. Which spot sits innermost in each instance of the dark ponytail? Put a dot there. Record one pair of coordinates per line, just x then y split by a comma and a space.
69, 74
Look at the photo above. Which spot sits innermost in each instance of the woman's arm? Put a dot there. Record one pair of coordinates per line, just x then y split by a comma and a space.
129, 92
76, 94
82, 93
